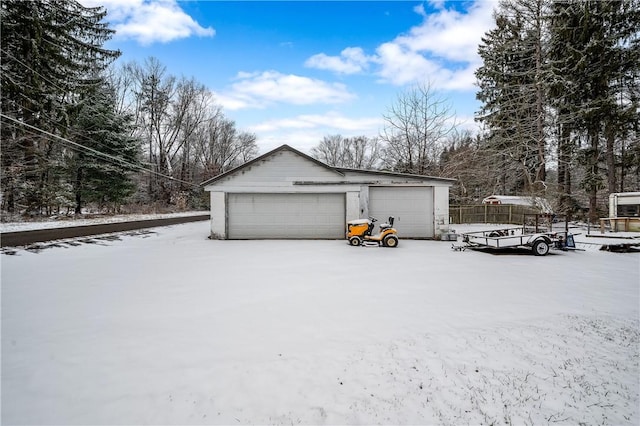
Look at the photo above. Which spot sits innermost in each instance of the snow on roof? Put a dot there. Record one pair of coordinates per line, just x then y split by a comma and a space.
625, 194
625, 198
538, 202
338, 170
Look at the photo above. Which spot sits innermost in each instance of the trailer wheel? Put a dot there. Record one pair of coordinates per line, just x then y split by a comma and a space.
355, 241
390, 241
540, 248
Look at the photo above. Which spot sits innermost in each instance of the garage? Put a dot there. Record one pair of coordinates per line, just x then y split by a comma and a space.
291, 216
412, 208
287, 194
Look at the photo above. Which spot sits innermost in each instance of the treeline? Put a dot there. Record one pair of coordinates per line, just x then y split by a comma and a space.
560, 93
561, 97
559, 87
78, 131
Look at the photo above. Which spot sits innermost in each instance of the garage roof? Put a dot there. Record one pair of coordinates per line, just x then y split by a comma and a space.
392, 174
341, 171
268, 154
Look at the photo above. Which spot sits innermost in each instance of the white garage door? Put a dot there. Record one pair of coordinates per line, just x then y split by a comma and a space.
412, 208
286, 216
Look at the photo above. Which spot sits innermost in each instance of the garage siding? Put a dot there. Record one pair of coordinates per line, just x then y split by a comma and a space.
411, 206
302, 216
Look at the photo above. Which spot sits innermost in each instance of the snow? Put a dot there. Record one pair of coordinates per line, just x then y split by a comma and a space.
585, 238
541, 203
65, 221
169, 327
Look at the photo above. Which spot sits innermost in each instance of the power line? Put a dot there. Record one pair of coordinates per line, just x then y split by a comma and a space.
90, 97
108, 157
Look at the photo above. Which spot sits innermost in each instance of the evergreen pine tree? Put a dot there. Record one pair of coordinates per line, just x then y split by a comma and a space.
98, 126
51, 50
512, 82
594, 59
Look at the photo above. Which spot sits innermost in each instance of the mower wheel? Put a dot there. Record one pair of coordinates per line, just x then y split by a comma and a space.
390, 241
355, 241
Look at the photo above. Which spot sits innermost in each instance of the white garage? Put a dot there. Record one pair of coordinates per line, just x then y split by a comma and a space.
288, 194
304, 215
411, 206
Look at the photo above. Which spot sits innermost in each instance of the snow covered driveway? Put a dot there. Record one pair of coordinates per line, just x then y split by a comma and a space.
172, 328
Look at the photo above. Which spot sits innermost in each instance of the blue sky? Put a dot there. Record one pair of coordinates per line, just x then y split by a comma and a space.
293, 72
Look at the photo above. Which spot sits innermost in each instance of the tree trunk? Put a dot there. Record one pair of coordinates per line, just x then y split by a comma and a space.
78, 191
622, 167
592, 190
541, 172
564, 159
610, 157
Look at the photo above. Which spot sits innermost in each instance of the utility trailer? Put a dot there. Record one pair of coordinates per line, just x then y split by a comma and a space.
538, 242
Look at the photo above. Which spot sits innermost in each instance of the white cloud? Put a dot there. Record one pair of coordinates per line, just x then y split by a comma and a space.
234, 102
451, 34
443, 49
460, 79
400, 65
331, 120
259, 90
419, 9
468, 123
304, 132
150, 21
352, 60
436, 4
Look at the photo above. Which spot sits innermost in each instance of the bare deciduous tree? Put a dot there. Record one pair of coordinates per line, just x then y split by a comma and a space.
359, 152
417, 125
220, 147
186, 134
464, 160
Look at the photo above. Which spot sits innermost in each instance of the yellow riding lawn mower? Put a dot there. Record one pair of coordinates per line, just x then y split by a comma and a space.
359, 232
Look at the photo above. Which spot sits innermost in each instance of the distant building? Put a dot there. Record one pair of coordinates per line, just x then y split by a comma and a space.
538, 203
624, 204
624, 212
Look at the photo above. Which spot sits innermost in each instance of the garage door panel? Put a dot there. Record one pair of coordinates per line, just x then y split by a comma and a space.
286, 216
411, 206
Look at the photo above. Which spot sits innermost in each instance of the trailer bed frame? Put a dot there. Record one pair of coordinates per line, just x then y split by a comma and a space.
519, 237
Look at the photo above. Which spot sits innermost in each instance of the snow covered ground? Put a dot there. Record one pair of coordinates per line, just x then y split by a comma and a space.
68, 221
168, 327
